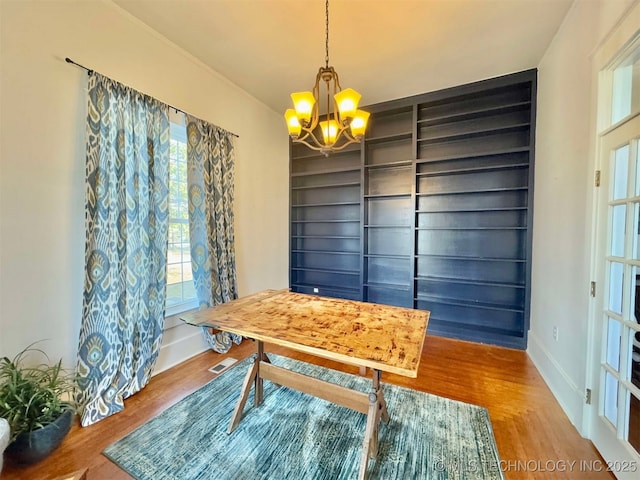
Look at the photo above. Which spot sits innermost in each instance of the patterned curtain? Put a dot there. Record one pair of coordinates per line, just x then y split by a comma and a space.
126, 216
210, 177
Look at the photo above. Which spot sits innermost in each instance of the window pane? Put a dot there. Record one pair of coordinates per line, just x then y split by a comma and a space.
180, 287
186, 253
182, 212
611, 398
174, 294
181, 152
625, 96
174, 171
618, 220
184, 232
620, 172
621, 101
189, 290
175, 235
616, 275
186, 271
174, 274
174, 254
174, 207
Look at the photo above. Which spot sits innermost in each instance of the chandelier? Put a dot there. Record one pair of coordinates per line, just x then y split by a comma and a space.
341, 125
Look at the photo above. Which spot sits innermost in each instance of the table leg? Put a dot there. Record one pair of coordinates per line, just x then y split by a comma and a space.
249, 380
377, 410
258, 393
253, 378
382, 404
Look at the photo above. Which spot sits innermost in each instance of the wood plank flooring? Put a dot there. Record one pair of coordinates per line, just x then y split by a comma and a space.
528, 423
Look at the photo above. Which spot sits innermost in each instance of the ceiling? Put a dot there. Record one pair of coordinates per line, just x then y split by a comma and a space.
384, 49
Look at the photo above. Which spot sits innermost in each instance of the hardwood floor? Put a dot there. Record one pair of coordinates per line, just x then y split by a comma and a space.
533, 435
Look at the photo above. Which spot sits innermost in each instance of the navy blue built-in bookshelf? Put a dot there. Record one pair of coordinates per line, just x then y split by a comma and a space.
433, 210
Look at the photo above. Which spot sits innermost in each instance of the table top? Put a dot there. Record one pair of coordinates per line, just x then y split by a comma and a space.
364, 334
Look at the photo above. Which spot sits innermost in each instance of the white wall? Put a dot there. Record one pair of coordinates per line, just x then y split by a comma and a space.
563, 201
43, 105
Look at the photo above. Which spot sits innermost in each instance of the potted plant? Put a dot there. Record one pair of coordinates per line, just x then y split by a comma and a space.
37, 402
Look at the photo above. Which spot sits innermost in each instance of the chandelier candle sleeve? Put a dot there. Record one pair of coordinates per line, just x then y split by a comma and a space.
303, 103
293, 124
359, 123
329, 131
340, 125
347, 101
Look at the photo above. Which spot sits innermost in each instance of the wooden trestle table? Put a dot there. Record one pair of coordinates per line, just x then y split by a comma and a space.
367, 335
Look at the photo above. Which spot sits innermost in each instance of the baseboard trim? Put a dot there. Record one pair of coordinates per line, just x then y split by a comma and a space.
567, 393
177, 351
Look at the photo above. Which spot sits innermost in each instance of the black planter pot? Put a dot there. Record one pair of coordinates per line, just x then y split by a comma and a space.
31, 447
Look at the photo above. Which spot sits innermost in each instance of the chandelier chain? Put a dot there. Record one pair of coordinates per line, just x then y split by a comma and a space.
326, 43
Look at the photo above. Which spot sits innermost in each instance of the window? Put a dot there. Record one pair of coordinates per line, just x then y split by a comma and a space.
626, 87
181, 294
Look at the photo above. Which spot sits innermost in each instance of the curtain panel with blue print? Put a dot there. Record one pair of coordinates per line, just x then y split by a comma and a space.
126, 215
210, 177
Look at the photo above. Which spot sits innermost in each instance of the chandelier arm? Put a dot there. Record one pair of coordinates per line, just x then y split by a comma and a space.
347, 133
336, 89
329, 109
315, 139
313, 123
301, 138
343, 129
312, 147
334, 111
324, 149
337, 80
344, 132
349, 142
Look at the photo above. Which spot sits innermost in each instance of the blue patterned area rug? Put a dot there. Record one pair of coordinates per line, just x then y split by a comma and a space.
298, 437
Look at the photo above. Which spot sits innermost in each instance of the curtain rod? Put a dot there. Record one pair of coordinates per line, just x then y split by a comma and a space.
90, 71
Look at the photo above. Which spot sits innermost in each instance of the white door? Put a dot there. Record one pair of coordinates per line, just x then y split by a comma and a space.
616, 423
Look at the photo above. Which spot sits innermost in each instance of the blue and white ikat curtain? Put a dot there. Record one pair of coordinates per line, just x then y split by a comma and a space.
210, 177
126, 215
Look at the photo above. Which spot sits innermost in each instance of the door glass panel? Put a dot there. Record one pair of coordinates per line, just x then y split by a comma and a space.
611, 398
618, 220
637, 189
636, 231
614, 335
616, 275
634, 357
633, 423
634, 307
620, 172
